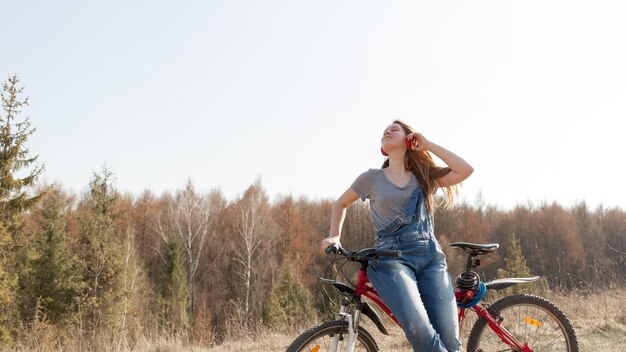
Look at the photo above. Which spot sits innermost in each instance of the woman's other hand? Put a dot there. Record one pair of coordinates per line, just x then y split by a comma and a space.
418, 142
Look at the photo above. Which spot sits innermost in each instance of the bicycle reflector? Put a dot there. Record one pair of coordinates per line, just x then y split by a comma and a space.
532, 321
315, 349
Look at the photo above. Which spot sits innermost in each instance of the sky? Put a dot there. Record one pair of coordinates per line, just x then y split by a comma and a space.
297, 93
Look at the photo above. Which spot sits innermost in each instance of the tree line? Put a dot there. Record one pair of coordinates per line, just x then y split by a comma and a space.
105, 270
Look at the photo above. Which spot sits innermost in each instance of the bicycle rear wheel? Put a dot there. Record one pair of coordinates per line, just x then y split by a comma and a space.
318, 339
532, 320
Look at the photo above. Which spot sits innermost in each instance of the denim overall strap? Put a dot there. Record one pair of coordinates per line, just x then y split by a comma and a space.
407, 214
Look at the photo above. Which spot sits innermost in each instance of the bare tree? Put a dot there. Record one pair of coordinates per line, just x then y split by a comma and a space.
189, 220
251, 229
130, 285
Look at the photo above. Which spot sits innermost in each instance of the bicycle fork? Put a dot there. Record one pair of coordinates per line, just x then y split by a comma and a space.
352, 327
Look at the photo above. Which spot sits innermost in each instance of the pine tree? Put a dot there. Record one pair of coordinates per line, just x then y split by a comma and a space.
289, 304
174, 295
53, 276
8, 280
515, 266
15, 197
14, 156
102, 256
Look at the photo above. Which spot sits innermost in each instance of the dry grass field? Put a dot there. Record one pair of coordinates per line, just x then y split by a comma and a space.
599, 320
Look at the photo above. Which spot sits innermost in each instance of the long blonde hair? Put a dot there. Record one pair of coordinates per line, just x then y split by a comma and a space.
421, 164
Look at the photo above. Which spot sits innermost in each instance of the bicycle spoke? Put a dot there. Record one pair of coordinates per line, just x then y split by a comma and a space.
535, 327
540, 333
533, 321
323, 344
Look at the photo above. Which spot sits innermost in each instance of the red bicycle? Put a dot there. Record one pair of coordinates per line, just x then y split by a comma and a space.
519, 322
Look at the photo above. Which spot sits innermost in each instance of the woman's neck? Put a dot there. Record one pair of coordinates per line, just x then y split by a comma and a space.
396, 166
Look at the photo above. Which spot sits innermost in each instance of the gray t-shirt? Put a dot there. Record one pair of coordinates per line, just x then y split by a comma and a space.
386, 199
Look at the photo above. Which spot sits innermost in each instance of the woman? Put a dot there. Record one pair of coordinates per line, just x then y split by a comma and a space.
416, 286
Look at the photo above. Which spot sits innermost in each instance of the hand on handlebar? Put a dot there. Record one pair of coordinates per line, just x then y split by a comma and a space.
330, 241
363, 254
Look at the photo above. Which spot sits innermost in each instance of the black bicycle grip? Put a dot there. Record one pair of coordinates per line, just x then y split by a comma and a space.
390, 253
334, 248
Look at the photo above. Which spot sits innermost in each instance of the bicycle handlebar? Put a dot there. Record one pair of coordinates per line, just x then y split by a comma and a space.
364, 254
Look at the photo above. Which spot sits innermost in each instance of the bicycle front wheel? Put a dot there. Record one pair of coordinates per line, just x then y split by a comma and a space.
318, 339
534, 321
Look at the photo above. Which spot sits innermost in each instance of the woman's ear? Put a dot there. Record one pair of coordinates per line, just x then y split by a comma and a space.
409, 143
383, 151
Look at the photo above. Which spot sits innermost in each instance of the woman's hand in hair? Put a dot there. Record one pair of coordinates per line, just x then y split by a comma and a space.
418, 142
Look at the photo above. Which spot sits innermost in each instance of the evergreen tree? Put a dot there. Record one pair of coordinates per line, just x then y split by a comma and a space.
14, 156
289, 304
8, 280
102, 256
174, 295
515, 266
14, 193
53, 276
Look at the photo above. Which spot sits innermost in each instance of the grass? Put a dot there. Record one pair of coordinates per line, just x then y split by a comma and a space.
599, 320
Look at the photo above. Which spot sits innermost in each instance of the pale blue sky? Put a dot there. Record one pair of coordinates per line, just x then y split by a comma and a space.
531, 93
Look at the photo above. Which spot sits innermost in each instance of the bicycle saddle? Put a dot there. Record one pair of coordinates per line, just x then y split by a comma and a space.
476, 248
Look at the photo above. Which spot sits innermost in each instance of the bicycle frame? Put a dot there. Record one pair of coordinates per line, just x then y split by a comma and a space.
364, 288
493, 322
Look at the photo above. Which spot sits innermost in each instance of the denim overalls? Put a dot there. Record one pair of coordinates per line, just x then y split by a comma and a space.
416, 286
